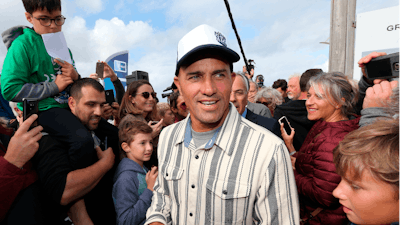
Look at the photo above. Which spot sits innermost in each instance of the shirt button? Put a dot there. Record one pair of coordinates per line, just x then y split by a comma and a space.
224, 192
166, 174
196, 157
193, 186
190, 214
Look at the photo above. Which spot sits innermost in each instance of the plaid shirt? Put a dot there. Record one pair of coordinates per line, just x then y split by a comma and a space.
243, 175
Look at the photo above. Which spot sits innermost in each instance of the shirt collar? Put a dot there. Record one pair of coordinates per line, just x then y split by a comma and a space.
244, 114
188, 136
224, 138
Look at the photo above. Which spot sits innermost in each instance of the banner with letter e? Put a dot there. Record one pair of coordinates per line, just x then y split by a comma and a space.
119, 63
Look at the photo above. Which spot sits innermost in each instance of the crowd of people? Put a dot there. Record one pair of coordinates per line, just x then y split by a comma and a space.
217, 153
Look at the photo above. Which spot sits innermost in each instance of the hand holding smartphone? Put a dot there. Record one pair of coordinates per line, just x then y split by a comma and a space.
109, 96
286, 125
100, 69
30, 106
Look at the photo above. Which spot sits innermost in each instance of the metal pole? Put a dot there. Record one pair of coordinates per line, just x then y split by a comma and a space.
342, 36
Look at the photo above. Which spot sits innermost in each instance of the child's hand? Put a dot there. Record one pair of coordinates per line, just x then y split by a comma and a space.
62, 82
67, 69
151, 177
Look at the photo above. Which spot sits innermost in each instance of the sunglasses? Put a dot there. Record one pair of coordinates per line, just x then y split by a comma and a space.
146, 94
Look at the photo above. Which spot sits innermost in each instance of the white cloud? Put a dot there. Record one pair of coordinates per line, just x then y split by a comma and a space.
90, 6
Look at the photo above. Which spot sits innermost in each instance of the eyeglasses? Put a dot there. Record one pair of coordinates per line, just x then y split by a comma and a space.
45, 21
146, 94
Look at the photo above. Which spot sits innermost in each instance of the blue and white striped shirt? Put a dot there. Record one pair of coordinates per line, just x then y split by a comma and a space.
243, 175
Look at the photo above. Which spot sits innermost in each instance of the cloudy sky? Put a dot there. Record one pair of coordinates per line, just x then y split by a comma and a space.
282, 36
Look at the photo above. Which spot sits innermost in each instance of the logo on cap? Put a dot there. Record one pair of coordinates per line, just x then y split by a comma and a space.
220, 38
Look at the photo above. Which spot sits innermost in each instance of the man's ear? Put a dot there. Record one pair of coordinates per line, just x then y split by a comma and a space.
177, 84
125, 147
29, 17
72, 103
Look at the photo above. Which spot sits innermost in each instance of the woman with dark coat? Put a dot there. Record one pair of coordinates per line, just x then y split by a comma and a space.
330, 102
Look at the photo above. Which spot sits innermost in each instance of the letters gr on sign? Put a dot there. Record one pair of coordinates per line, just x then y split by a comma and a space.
119, 66
393, 27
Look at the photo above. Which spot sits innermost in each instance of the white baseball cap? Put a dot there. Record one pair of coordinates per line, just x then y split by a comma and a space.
200, 38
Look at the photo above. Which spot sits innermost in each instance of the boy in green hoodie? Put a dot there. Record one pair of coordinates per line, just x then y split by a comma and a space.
30, 72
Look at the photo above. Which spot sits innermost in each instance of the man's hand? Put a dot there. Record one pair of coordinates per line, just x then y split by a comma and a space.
24, 144
115, 109
151, 177
366, 59
107, 157
379, 94
107, 111
62, 82
67, 69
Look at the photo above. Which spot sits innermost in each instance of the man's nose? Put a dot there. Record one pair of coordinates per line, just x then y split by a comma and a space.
208, 86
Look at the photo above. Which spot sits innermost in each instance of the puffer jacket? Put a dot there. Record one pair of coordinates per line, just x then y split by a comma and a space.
315, 171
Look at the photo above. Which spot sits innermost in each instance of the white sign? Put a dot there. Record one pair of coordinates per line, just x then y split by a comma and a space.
377, 31
119, 66
56, 46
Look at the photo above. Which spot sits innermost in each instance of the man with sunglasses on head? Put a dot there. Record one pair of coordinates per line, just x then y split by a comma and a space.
216, 167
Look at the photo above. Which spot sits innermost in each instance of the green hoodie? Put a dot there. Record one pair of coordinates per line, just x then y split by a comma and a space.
29, 71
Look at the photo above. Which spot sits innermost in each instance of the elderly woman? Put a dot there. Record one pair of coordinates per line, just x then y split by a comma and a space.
368, 161
269, 97
139, 101
330, 102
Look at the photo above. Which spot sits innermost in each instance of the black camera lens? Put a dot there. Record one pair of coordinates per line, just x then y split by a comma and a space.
396, 67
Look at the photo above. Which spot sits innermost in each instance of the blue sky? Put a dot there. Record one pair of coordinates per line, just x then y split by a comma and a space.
281, 36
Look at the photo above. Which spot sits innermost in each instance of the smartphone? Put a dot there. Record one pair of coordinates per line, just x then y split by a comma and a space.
110, 96
383, 67
30, 107
286, 124
99, 69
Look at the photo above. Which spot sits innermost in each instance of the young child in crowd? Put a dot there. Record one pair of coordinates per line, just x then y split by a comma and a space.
30, 72
133, 182
368, 162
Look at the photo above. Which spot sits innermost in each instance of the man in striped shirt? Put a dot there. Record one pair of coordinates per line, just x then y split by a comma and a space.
216, 167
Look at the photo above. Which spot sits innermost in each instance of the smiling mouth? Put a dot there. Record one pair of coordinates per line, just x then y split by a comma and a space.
208, 102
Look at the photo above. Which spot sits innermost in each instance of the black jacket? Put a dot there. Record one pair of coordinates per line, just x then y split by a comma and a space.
296, 112
268, 123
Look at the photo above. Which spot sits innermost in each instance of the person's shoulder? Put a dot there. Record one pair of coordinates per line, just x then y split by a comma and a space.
261, 130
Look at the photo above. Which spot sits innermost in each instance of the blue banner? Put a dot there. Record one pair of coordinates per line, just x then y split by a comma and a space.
119, 63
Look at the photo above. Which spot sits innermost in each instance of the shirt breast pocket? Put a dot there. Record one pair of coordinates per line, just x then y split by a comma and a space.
173, 178
228, 202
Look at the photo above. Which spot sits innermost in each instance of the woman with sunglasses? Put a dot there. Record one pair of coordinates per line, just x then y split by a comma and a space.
140, 101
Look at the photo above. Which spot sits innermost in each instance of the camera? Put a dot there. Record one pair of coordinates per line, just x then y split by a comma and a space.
166, 95
383, 67
250, 65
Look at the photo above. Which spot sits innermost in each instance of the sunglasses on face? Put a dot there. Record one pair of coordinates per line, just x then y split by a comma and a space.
146, 94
